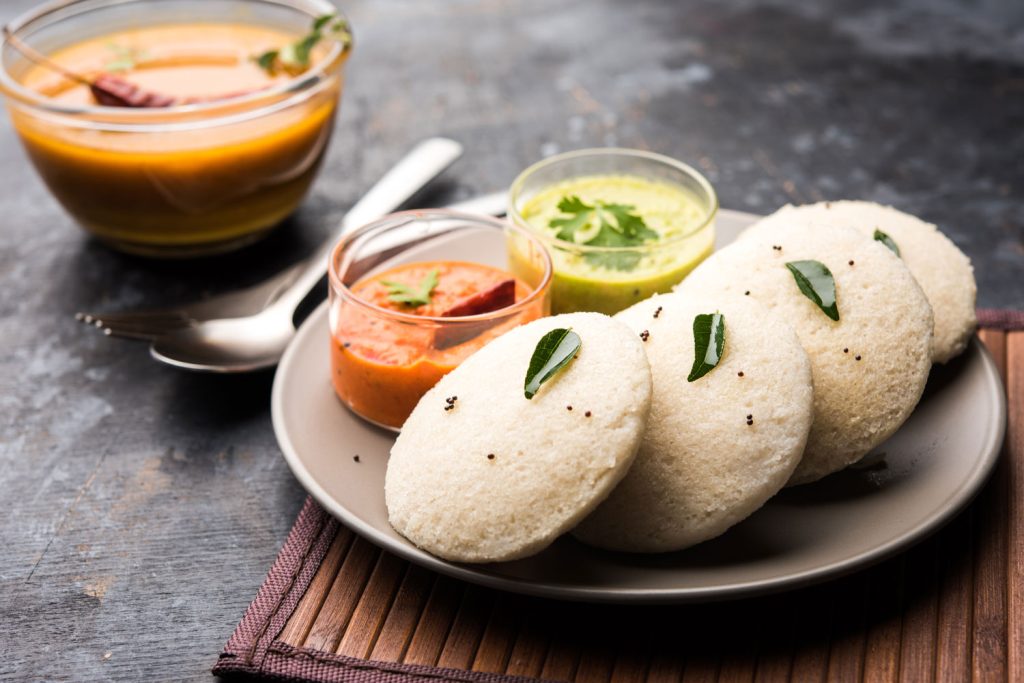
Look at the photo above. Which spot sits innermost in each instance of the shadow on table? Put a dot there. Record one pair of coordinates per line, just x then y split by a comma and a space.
99, 279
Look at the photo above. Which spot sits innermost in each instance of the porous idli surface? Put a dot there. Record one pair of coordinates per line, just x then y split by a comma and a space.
943, 271
716, 449
870, 367
499, 477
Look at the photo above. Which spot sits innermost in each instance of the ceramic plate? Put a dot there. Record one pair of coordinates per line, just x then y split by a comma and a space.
910, 486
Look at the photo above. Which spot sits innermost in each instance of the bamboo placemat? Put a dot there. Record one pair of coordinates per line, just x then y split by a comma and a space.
336, 608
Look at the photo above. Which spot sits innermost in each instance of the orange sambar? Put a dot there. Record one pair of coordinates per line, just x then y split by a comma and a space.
175, 183
383, 363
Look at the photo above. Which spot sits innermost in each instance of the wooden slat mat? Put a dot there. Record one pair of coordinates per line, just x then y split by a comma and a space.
336, 608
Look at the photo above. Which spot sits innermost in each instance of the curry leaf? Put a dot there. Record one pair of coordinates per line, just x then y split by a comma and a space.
816, 282
708, 344
887, 241
554, 351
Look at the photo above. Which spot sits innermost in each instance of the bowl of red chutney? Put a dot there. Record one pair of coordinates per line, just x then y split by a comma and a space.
414, 294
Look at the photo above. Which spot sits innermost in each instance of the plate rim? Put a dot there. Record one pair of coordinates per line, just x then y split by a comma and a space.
956, 502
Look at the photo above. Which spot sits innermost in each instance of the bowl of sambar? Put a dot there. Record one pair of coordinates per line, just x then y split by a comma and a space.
176, 128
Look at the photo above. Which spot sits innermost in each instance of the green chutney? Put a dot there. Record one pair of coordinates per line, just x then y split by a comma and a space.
593, 280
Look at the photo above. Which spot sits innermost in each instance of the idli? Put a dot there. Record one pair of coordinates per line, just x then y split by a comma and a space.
943, 271
715, 448
869, 366
480, 473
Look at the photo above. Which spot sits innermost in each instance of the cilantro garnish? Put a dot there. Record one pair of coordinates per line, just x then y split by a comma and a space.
294, 57
418, 296
603, 224
125, 58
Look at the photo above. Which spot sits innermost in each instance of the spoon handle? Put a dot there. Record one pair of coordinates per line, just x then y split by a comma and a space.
421, 165
493, 204
417, 168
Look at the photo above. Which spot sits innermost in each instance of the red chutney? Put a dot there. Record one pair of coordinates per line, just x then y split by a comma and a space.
381, 365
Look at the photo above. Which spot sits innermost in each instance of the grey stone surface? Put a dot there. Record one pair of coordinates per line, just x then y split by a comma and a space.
142, 506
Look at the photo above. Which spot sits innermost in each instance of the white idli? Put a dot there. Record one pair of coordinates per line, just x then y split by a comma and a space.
871, 366
716, 448
943, 271
499, 477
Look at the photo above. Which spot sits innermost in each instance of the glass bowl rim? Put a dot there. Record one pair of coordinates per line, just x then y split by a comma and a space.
141, 119
515, 190
400, 218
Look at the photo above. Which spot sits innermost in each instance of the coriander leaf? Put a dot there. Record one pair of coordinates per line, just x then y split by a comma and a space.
708, 344
816, 282
608, 236
554, 351
604, 224
304, 48
341, 30
419, 296
429, 283
124, 64
322, 21
267, 60
125, 58
630, 224
295, 57
568, 227
887, 241
580, 215
617, 260
573, 204
289, 57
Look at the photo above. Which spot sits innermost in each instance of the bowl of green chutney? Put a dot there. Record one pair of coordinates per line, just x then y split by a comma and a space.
620, 224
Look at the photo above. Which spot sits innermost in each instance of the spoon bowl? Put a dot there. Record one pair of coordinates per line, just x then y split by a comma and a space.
228, 345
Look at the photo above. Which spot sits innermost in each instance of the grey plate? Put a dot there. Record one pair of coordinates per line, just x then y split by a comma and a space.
923, 475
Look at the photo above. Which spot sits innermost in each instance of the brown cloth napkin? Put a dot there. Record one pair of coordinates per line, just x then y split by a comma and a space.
1000, 319
254, 648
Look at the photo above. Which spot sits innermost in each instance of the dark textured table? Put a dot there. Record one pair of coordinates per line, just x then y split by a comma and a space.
142, 506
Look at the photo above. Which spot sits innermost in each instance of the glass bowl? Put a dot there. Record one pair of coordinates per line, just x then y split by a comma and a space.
180, 180
609, 279
384, 360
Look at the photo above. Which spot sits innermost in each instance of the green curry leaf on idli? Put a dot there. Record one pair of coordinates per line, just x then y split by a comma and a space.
554, 351
708, 344
887, 241
816, 282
